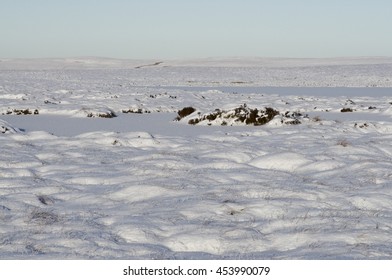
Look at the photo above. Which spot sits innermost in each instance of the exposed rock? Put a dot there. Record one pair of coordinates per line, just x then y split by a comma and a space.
22, 112
100, 113
136, 111
185, 112
5, 127
239, 115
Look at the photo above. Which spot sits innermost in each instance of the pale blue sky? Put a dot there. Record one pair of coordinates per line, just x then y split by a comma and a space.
168, 29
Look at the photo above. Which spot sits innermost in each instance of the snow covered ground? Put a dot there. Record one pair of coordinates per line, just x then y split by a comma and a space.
94, 166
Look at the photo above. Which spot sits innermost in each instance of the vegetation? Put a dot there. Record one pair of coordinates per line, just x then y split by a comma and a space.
185, 112
242, 114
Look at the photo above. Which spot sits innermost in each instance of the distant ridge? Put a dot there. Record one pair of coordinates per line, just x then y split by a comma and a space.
102, 62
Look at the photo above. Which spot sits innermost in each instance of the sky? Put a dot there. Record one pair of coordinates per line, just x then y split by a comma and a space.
178, 29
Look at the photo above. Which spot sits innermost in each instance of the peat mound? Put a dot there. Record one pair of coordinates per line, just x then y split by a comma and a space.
240, 115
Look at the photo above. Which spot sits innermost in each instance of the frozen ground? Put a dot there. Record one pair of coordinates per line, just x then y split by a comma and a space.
313, 183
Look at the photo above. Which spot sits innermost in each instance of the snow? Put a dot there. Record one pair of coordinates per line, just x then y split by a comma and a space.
75, 185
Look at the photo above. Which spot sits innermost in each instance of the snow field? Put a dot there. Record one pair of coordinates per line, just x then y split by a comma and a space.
142, 186
108, 195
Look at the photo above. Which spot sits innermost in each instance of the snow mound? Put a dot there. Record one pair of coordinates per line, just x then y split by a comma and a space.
22, 112
237, 116
388, 111
242, 115
5, 127
281, 161
99, 113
